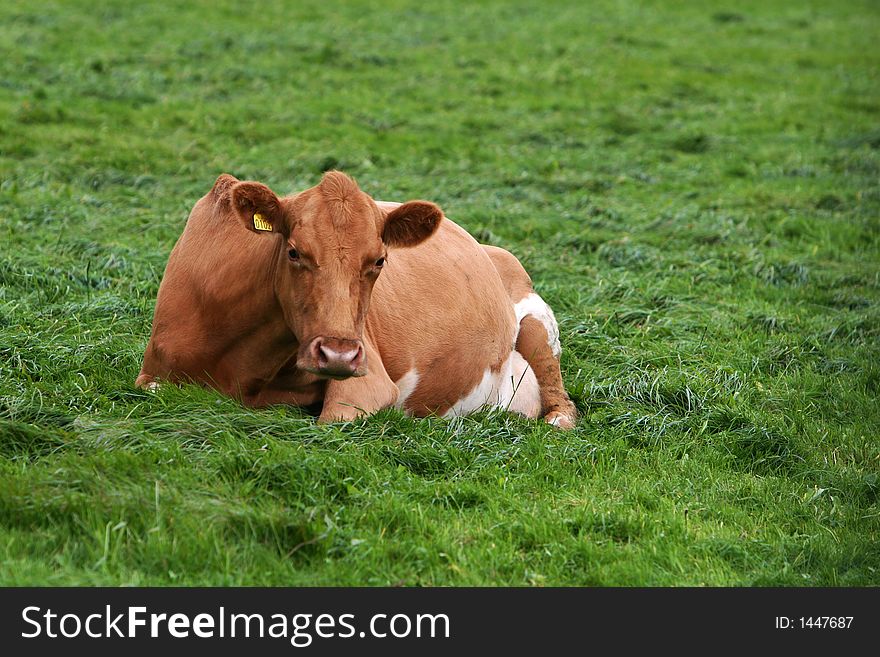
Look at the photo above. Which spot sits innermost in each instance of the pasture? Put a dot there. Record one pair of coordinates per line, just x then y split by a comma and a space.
694, 189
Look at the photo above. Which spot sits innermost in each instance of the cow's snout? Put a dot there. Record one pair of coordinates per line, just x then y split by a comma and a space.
334, 357
338, 353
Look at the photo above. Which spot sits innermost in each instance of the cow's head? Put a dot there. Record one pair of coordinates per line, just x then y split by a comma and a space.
332, 243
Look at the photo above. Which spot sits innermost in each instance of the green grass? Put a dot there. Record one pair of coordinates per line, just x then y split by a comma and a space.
695, 190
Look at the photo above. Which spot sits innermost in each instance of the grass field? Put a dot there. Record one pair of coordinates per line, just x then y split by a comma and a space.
695, 190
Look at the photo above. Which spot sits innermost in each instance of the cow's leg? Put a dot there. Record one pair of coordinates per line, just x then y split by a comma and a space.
535, 346
538, 339
352, 398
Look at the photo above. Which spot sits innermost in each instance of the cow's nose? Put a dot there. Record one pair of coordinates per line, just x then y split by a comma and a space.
337, 357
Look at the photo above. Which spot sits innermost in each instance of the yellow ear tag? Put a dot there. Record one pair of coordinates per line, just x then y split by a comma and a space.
260, 223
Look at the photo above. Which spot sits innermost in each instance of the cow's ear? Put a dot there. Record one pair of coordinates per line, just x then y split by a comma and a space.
222, 185
411, 223
258, 207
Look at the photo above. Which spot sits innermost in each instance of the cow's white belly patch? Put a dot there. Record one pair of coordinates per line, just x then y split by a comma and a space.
513, 388
407, 385
536, 307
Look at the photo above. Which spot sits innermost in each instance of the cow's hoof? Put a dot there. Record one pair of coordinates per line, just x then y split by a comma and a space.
146, 382
560, 419
339, 417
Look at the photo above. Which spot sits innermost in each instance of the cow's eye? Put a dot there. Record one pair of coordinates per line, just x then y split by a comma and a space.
293, 254
380, 262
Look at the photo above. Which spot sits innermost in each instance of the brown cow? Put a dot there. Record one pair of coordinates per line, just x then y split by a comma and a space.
328, 297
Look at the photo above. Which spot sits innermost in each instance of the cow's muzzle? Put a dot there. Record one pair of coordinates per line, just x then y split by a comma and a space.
334, 358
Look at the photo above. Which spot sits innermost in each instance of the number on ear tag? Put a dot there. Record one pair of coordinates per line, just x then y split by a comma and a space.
260, 223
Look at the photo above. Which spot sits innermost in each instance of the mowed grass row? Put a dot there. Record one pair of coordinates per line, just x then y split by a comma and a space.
695, 190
